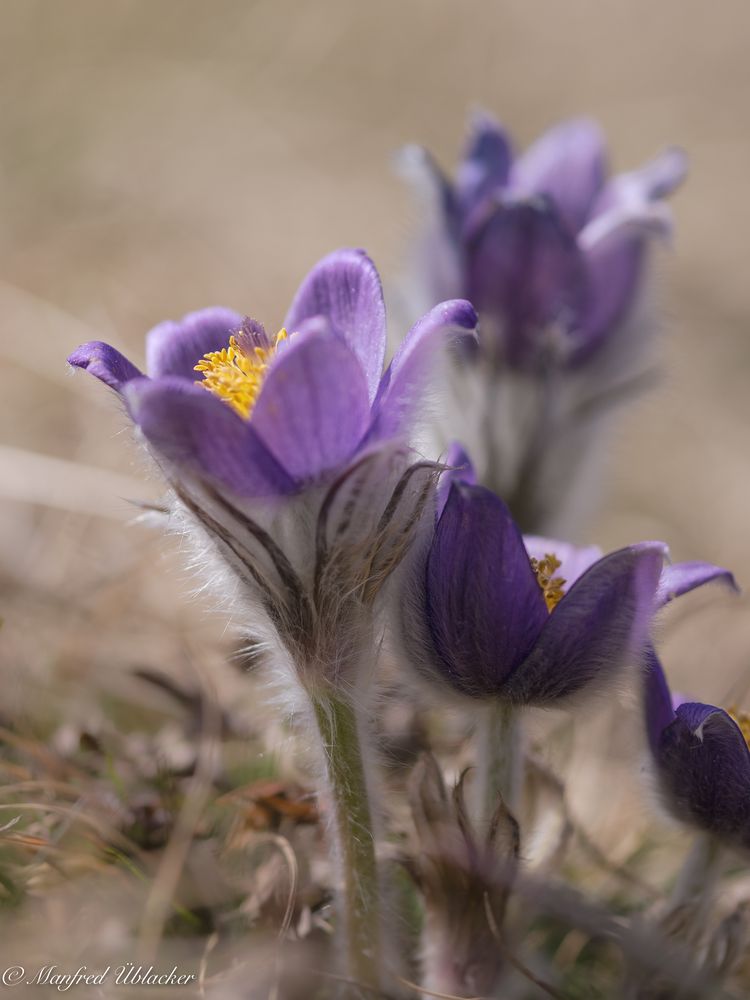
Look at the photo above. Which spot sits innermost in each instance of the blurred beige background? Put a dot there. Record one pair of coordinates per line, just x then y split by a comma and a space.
161, 156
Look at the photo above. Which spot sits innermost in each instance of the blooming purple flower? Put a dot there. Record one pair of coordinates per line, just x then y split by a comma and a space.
280, 413
530, 620
548, 248
701, 759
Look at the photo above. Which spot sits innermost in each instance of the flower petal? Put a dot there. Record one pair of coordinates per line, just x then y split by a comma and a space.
680, 578
568, 163
574, 559
526, 273
484, 606
313, 409
485, 164
403, 384
657, 699
104, 363
627, 214
704, 767
195, 430
176, 347
460, 469
345, 288
602, 619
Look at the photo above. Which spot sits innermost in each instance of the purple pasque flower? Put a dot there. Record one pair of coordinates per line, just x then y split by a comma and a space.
701, 759
529, 620
261, 416
290, 455
550, 250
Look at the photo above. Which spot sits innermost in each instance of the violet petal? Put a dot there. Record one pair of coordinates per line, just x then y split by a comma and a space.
313, 409
345, 288
527, 270
403, 384
175, 347
195, 430
485, 608
485, 164
568, 163
680, 578
601, 620
104, 363
704, 767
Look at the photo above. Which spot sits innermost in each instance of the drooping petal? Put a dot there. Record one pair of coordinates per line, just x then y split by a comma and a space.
657, 699
680, 578
483, 603
602, 620
345, 288
485, 164
526, 271
460, 469
574, 559
176, 346
568, 163
104, 363
703, 763
313, 409
194, 430
403, 384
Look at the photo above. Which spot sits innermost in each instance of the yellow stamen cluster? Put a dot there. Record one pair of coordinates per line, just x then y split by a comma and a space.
552, 586
235, 374
743, 721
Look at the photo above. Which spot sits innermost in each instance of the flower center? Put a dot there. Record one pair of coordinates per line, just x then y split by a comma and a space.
552, 586
236, 373
743, 721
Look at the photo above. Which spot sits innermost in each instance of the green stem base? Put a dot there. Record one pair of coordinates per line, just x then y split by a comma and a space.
352, 831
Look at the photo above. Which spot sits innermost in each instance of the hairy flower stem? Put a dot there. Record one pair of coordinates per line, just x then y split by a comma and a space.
352, 832
499, 760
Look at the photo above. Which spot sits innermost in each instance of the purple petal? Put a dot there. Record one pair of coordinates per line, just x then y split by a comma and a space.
627, 214
574, 559
345, 288
460, 470
195, 430
568, 164
602, 620
657, 699
104, 363
313, 409
680, 578
484, 606
614, 268
176, 347
704, 767
403, 384
653, 181
485, 163
526, 273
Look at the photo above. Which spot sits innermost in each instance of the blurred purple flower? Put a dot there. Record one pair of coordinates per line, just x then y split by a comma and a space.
547, 247
286, 412
701, 760
530, 620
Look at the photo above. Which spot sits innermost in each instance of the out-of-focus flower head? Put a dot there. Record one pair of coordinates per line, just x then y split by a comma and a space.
461, 873
529, 620
701, 759
548, 247
290, 453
